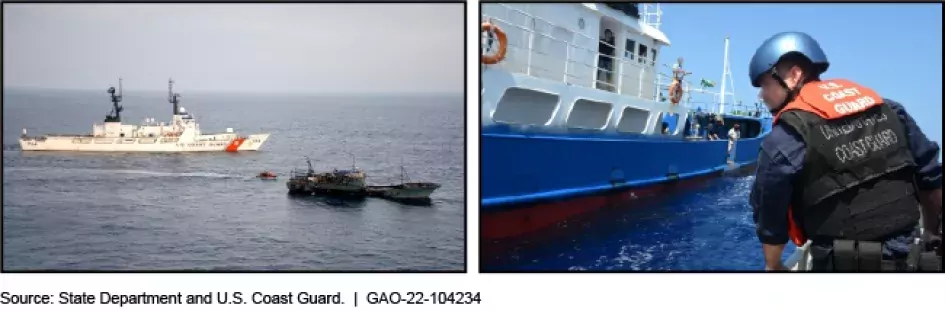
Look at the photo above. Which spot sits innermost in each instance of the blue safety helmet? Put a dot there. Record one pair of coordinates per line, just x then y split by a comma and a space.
779, 45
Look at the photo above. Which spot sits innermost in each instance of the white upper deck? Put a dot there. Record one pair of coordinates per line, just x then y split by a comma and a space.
600, 46
647, 25
570, 43
589, 66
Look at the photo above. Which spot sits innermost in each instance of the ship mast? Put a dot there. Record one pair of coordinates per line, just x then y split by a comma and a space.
726, 77
115, 114
310, 169
344, 144
403, 172
172, 97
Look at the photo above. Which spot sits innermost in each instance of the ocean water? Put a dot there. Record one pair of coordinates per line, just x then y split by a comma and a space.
708, 228
91, 211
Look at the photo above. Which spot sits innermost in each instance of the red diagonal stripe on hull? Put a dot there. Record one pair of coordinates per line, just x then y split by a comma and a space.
235, 144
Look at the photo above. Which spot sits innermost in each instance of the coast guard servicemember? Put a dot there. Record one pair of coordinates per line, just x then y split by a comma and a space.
842, 167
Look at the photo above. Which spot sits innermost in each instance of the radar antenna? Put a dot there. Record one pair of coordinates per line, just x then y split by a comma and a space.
115, 114
172, 97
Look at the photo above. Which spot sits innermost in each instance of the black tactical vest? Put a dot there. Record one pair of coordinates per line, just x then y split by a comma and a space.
858, 177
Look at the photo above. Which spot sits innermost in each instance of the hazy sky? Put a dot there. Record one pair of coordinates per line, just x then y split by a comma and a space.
244, 47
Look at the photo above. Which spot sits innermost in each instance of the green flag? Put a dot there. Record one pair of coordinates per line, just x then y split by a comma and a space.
707, 83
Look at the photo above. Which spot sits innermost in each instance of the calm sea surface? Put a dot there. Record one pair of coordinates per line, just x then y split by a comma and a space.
205, 211
706, 228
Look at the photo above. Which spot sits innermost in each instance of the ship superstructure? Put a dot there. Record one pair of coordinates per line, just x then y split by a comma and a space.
181, 134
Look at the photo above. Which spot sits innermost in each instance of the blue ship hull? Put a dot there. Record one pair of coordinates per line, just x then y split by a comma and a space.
532, 180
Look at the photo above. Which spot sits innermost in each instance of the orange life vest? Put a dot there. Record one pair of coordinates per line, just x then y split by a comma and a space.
829, 99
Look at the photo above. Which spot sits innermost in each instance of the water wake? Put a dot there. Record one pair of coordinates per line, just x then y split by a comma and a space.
125, 172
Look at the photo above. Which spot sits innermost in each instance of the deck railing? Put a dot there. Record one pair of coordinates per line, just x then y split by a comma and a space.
540, 48
652, 15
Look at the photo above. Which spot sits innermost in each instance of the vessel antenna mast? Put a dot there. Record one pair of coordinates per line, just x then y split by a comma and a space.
403, 172
310, 169
115, 114
726, 78
344, 148
172, 97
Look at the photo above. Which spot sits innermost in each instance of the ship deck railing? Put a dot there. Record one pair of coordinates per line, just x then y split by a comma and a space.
67, 135
298, 173
580, 63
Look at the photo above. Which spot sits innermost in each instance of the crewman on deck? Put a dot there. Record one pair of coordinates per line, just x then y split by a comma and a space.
842, 167
733, 135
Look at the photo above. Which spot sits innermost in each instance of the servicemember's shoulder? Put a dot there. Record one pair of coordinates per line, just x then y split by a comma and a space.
784, 141
924, 151
895, 106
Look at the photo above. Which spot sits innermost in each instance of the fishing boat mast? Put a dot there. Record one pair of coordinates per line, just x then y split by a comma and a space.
726, 77
310, 169
403, 172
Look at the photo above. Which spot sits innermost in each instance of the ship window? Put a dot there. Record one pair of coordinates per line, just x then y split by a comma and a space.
654, 56
631, 48
642, 54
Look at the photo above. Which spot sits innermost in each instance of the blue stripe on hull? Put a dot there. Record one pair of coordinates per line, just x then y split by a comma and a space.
522, 168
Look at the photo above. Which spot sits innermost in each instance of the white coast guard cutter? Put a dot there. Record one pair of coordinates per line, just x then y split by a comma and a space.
182, 134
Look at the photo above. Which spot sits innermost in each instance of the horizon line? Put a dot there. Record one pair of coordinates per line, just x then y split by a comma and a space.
243, 91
